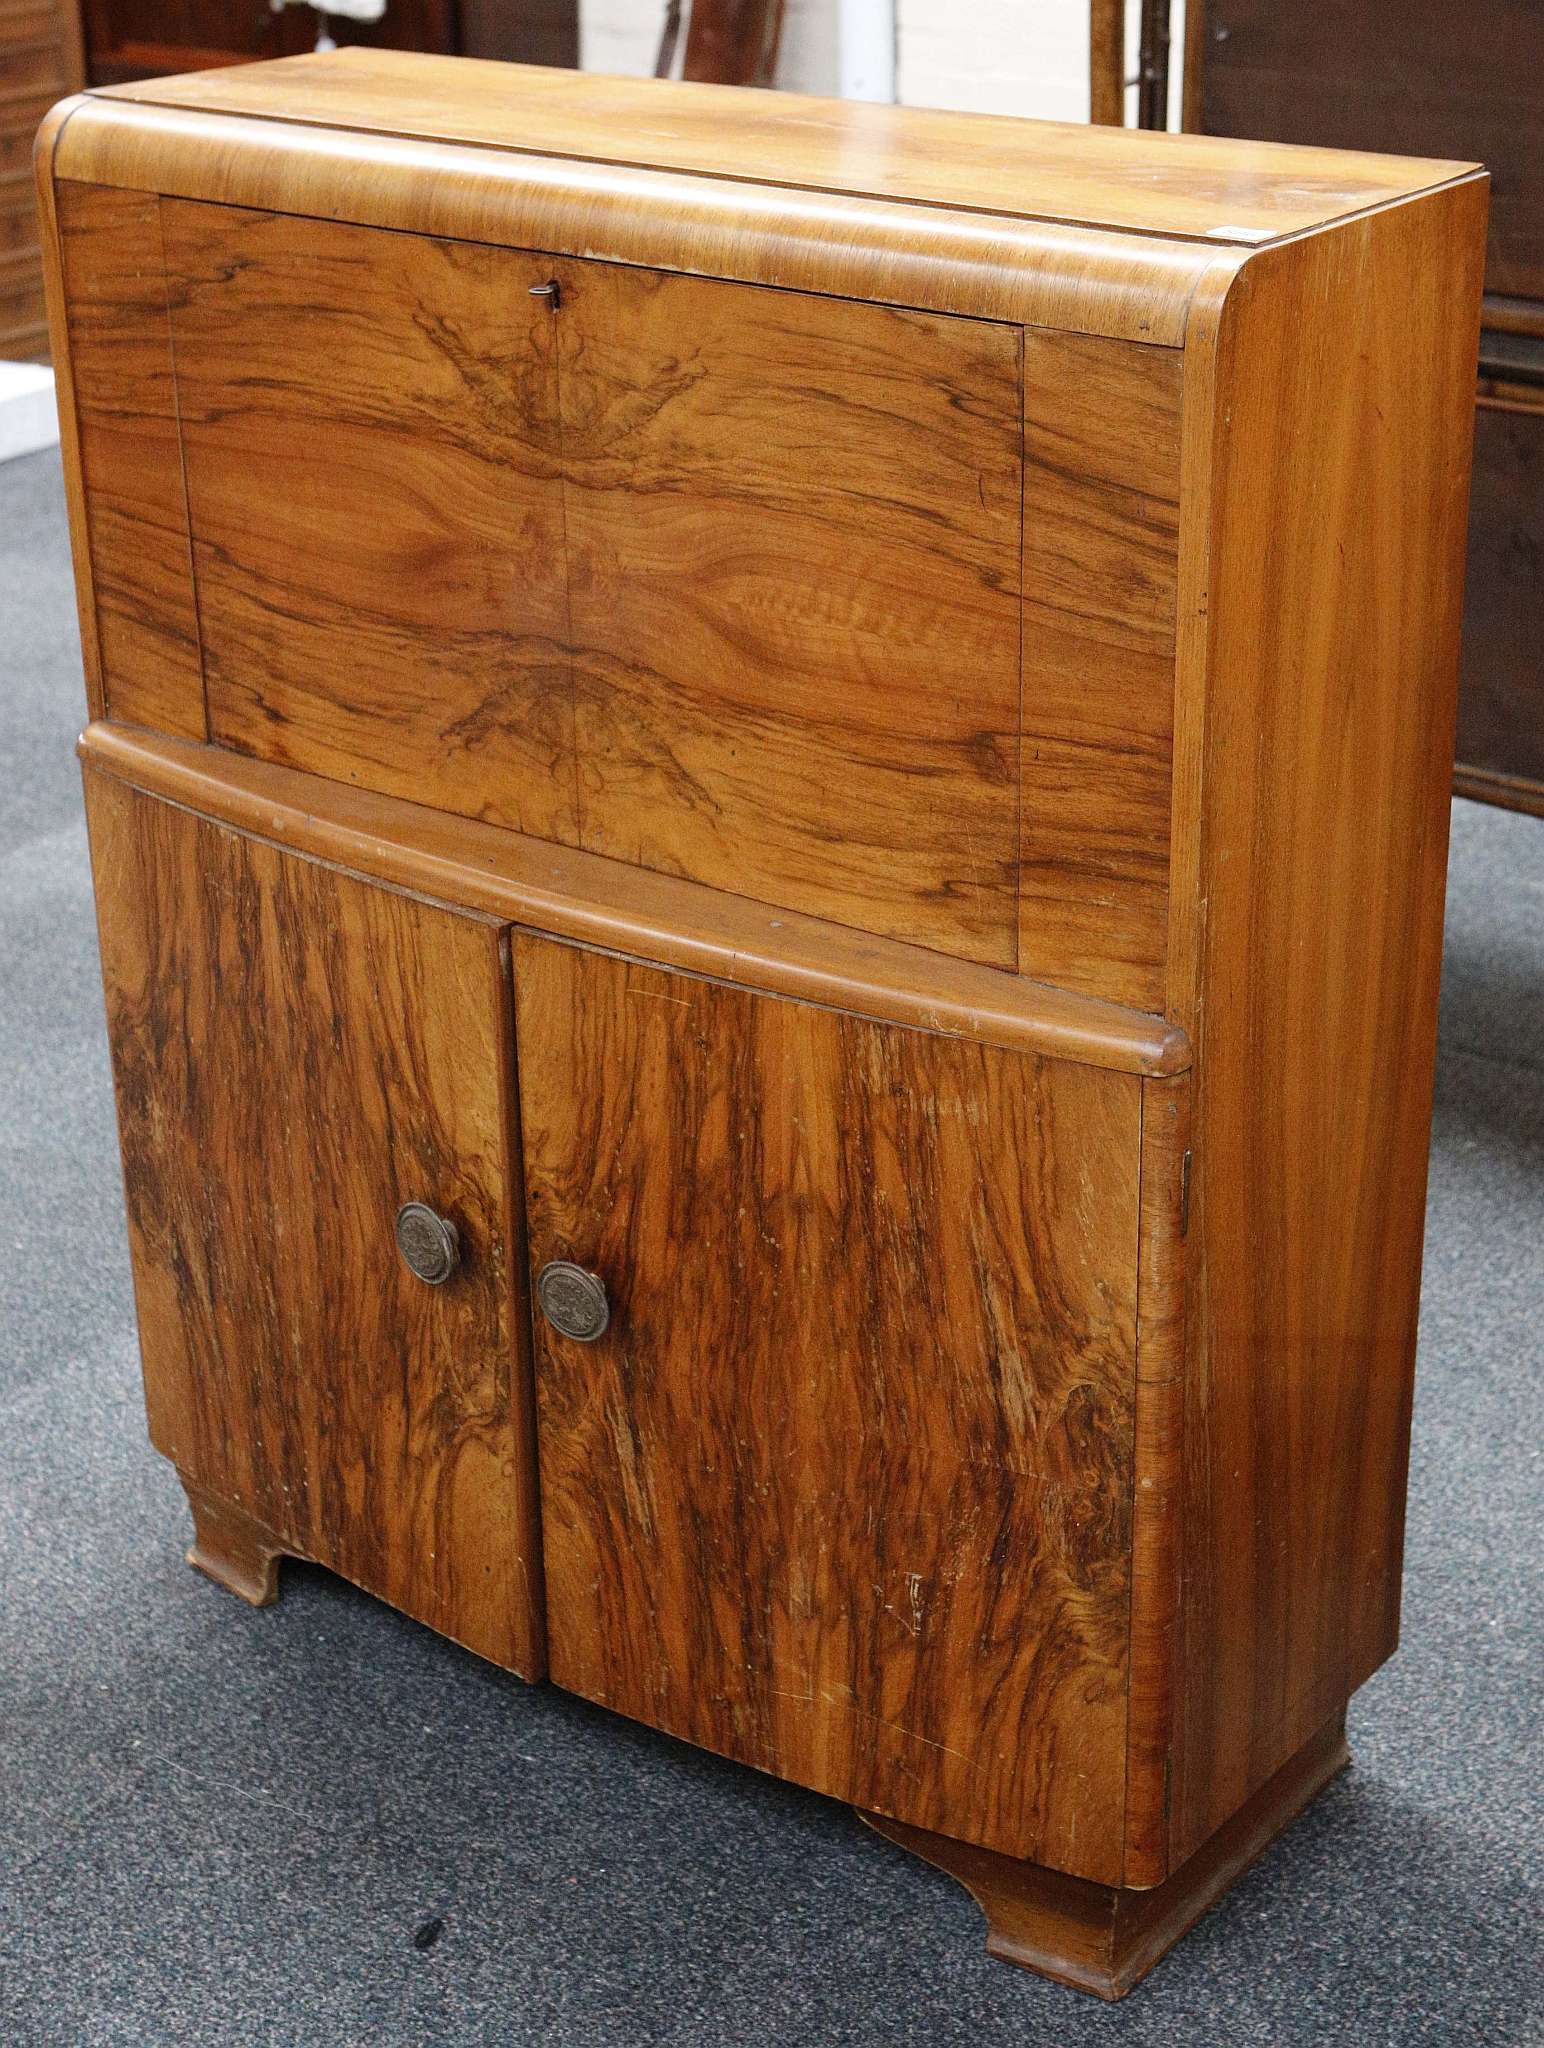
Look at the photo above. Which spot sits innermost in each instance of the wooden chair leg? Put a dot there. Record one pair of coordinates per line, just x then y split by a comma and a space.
233, 1549
1105, 1938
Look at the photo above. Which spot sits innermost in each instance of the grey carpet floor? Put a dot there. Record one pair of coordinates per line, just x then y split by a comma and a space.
321, 1824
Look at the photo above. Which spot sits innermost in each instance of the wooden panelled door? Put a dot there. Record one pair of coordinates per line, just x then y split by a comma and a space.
297, 1054
844, 1488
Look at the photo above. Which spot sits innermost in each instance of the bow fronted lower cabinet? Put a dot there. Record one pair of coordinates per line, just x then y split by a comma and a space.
768, 784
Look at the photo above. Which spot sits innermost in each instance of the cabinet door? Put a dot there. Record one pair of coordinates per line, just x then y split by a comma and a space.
793, 524
369, 425
844, 1488
297, 1054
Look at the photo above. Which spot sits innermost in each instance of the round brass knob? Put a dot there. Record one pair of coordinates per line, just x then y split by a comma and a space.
573, 1301
428, 1243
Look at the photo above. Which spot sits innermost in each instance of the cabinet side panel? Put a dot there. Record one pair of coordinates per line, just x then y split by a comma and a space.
136, 511
296, 1054
1338, 472
844, 1490
1101, 541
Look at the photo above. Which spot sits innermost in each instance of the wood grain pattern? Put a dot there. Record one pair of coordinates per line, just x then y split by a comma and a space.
1101, 545
992, 266
1102, 1938
1158, 1477
296, 1054
845, 1490
794, 535
628, 910
144, 622
370, 426
1325, 584
1108, 177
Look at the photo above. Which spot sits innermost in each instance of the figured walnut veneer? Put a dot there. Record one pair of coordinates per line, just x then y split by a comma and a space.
980, 1379
840, 718
296, 1054
371, 448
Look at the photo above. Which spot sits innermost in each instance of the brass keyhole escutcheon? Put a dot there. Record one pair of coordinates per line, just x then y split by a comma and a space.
428, 1242
573, 1301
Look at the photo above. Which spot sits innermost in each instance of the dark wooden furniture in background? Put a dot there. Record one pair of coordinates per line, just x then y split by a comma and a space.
47, 49
728, 42
839, 792
130, 39
1107, 63
40, 58
1409, 75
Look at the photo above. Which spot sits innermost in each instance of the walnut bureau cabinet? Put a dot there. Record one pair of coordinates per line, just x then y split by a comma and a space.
768, 785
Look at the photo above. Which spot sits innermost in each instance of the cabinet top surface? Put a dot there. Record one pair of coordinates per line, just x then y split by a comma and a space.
1202, 186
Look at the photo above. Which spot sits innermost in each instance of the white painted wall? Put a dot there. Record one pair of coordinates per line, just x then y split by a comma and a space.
619, 35
1014, 56
994, 56
989, 56
623, 36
